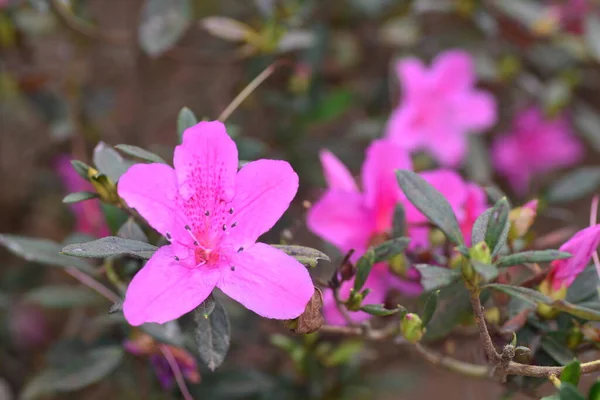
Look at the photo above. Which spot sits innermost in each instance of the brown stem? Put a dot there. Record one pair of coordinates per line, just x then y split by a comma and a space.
176, 372
342, 308
492, 355
93, 284
545, 372
452, 364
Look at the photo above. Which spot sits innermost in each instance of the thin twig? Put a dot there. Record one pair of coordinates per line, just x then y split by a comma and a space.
342, 307
452, 364
176, 372
545, 372
484, 334
369, 334
93, 284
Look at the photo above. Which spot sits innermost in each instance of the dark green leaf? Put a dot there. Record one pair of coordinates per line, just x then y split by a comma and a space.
498, 226
430, 307
207, 306
162, 24
81, 168
63, 296
529, 295
574, 185
587, 121
399, 223
480, 227
380, 310
111, 246
363, 269
431, 203
79, 372
532, 256
390, 248
568, 391
434, 277
571, 373
305, 255
140, 153
131, 230
109, 161
116, 307
487, 271
558, 351
594, 393
212, 336
185, 119
241, 384
344, 353
332, 106
576, 310
79, 196
168, 333
592, 35
454, 307
42, 251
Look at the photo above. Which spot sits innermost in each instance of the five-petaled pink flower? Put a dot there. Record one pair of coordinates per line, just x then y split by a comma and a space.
581, 246
536, 145
88, 214
213, 214
440, 107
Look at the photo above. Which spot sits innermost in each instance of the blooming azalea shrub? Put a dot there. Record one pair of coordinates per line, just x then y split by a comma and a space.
290, 265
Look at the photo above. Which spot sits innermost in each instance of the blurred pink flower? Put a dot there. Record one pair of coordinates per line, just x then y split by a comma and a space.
351, 219
212, 215
144, 345
582, 245
440, 107
571, 14
534, 146
89, 217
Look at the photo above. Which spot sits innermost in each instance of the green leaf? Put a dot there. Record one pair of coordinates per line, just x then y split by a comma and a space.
480, 227
532, 296
430, 307
568, 391
380, 310
390, 248
574, 185
207, 306
533, 256
576, 310
594, 393
363, 269
487, 271
592, 35
109, 161
63, 296
434, 277
431, 203
140, 153
111, 246
168, 333
79, 196
478, 166
558, 351
81, 168
399, 223
454, 307
42, 251
212, 336
332, 106
305, 255
131, 230
571, 373
498, 226
185, 119
79, 372
343, 353
162, 24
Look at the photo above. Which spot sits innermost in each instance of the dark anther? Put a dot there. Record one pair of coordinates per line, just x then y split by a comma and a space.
207, 213
168, 236
196, 243
232, 268
176, 258
187, 228
234, 225
224, 227
240, 249
231, 211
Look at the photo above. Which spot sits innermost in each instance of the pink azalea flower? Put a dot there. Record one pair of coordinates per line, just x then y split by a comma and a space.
571, 14
582, 245
213, 215
89, 217
536, 145
440, 107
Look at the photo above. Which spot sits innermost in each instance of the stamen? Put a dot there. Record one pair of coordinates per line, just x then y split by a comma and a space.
232, 268
234, 225
196, 243
176, 258
240, 249
231, 211
224, 227
168, 235
207, 213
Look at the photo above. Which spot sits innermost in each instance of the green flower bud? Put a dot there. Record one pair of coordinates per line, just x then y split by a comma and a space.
354, 302
481, 252
411, 327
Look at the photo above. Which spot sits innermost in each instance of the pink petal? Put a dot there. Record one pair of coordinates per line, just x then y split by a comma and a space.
476, 110
268, 282
413, 76
581, 246
152, 190
341, 218
402, 129
380, 185
337, 175
454, 71
376, 282
206, 164
450, 148
165, 289
263, 191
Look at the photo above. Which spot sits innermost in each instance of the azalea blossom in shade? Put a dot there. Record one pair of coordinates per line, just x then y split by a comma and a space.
213, 214
351, 219
440, 107
88, 214
535, 145
144, 345
581, 246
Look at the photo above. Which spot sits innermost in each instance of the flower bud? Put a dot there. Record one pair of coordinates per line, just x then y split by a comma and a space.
545, 311
354, 301
411, 327
399, 265
437, 238
481, 252
105, 187
574, 338
521, 219
492, 315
